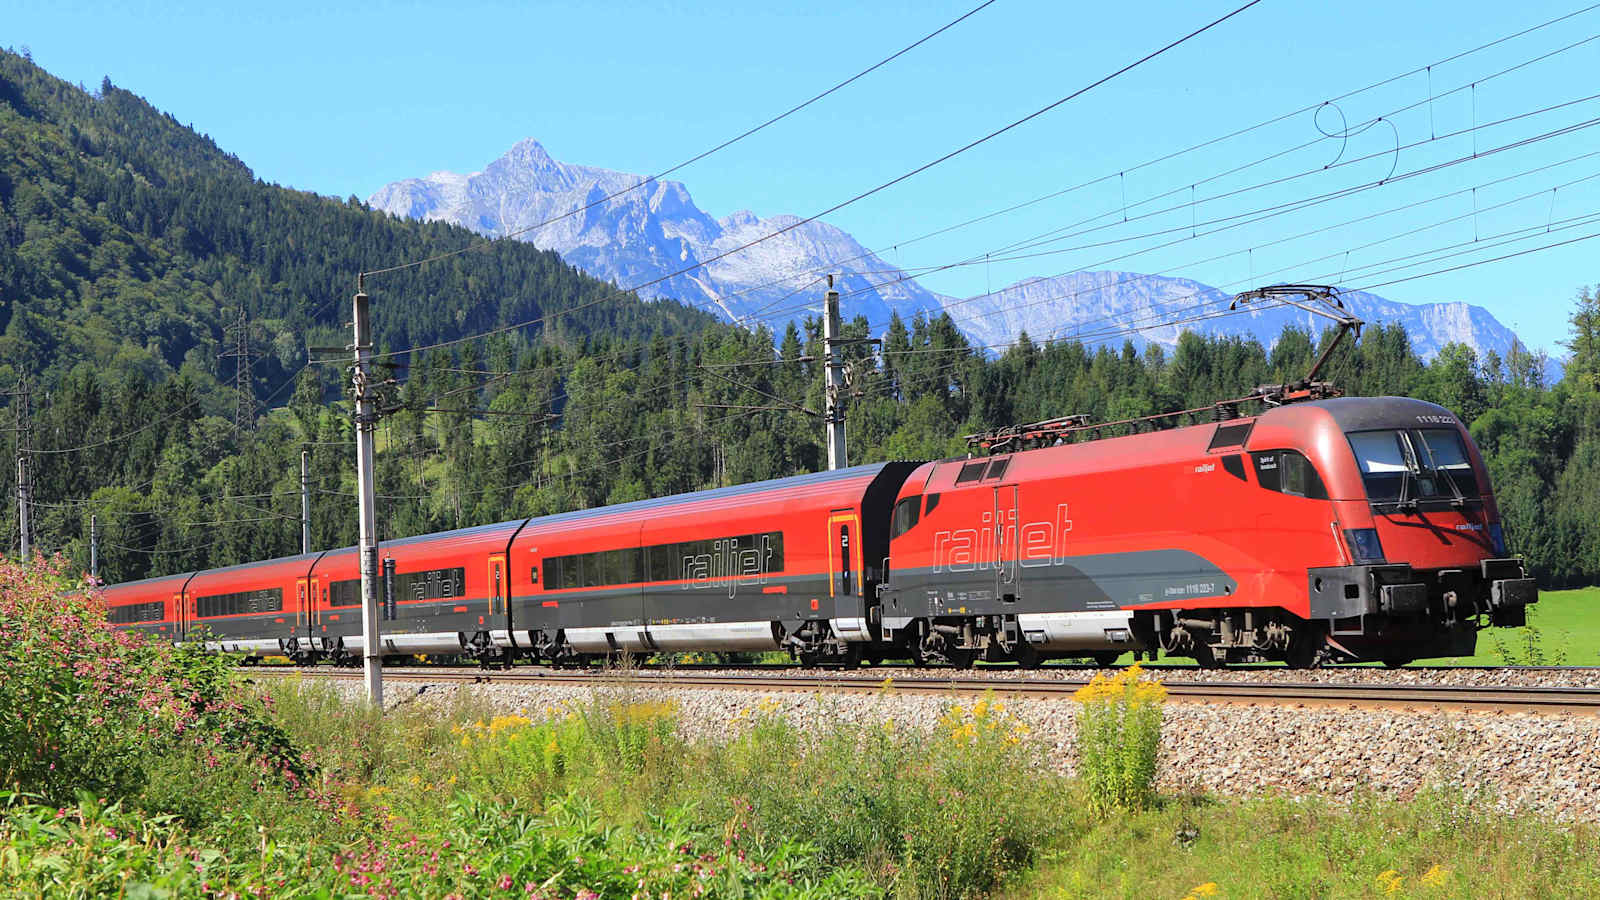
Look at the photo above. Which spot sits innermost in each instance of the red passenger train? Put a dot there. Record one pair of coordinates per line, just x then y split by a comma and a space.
1329, 530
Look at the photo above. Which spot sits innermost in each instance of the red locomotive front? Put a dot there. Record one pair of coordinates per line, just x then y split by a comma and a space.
1352, 528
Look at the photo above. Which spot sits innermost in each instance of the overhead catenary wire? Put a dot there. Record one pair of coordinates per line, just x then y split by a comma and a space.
1186, 231
1142, 277
1120, 174
1264, 212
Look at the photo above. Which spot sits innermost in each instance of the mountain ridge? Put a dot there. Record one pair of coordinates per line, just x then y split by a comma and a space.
646, 236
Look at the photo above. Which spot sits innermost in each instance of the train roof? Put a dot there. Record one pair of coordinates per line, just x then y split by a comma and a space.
1359, 413
853, 473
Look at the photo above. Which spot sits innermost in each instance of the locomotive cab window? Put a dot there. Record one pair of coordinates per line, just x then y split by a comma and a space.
1407, 465
1288, 472
906, 515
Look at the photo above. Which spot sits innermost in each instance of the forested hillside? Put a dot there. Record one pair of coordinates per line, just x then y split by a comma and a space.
128, 244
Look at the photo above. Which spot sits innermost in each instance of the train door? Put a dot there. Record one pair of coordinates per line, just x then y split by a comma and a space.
1006, 571
318, 590
302, 609
180, 617
497, 587
844, 561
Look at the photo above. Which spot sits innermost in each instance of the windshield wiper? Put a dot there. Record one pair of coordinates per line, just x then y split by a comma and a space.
1408, 462
1460, 499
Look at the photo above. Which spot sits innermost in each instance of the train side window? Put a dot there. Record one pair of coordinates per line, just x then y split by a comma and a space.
1300, 477
1233, 464
932, 503
997, 467
906, 514
1289, 472
972, 472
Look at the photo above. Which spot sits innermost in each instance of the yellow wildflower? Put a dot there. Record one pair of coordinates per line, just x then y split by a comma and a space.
1390, 881
1435, 876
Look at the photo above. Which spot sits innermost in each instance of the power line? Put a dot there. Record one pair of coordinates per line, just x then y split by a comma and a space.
1260, 214
830, 266
1142, 277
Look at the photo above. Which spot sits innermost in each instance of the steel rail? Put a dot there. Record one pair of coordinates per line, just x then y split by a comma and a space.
1412, 696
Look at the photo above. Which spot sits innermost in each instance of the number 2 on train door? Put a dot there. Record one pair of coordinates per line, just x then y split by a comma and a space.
844, 553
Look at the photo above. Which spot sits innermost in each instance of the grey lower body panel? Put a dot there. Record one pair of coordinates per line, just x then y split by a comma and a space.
691, 636
441, 642
1100, 630
1091, 582
250, 647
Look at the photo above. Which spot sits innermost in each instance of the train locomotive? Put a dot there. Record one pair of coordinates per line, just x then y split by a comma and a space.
1325, 530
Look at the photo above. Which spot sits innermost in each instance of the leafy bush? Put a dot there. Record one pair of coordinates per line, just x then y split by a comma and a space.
95, 708
1119, 737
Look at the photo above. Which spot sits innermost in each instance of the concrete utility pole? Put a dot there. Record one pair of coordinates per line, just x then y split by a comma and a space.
366, 425
834, 412
94, 547
305, 501
24, 490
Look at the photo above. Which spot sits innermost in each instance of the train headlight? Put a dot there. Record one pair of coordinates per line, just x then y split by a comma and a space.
1364, 545
1498, 536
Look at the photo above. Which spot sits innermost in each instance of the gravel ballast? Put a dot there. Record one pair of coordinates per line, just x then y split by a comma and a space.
1548, 763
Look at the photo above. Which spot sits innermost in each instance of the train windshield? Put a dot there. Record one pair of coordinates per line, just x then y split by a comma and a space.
1404, 466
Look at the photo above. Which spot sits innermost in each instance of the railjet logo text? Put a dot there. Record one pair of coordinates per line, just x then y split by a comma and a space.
1033, 544
728, 564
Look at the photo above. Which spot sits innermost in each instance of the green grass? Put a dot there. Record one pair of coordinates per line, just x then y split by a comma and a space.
1563, 630
1443, 844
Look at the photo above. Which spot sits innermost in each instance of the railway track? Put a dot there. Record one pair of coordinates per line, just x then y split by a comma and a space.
1405, 696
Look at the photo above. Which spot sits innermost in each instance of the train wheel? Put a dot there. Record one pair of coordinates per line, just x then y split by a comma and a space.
851, 657
1105, 659
807, 658
1305, 650
961, 659
1206, 658
1395, 662
1026, 655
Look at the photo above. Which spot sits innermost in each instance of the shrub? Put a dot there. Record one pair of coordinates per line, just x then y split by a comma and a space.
93, 708
1119, 737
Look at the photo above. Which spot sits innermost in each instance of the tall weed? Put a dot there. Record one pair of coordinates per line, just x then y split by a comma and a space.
1119, 738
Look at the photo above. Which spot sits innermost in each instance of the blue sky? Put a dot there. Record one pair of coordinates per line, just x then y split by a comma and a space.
341, 99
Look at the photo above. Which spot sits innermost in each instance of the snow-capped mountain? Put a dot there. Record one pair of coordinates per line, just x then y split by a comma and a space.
652, 232
1105, 307
646, 236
